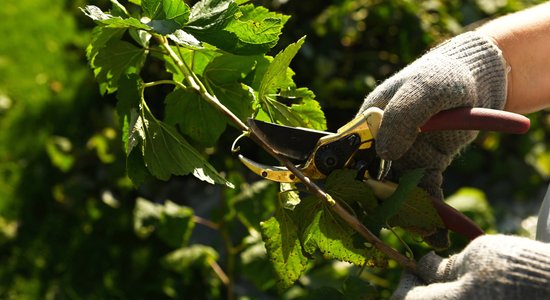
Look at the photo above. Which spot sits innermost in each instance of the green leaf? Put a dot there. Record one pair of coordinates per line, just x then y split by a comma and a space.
277, 83
417, 214
166, 15
224, 75
172, 223
254, 266
167, 153
100, 37
324, 292
276, 76
135, 168
128, 96
407, 184
114, 60
284, 249
176, 224
185, 39
342, 186
196, 59
254, 202
328, 233
408, 207
289, 197
252, 30
211, 15
110, 21
196, 118
258, 25
182, 259
355, 288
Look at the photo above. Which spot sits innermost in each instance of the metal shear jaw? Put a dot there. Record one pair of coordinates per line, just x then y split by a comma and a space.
331, 152
277, 173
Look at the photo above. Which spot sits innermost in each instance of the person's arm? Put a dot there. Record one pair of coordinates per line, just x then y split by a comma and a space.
524, 39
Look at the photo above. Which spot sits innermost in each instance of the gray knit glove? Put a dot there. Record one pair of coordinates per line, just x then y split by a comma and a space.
490, 267
467, 70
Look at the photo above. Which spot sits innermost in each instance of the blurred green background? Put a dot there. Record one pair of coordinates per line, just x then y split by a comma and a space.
72, 226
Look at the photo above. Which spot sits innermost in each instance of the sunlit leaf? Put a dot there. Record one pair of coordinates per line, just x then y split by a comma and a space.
210, 15
289, 196
185, 39
277, 82
110, 21
257, 26
166, 16
276, 76
240, 30
284, 249
326, 232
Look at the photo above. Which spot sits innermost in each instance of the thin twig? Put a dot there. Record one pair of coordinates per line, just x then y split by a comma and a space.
198, 87
352, 221
205, 222
219, 271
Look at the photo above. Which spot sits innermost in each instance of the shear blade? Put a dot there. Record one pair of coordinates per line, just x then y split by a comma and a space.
295, 143
273, 173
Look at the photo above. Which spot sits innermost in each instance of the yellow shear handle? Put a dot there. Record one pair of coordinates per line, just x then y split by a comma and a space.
366, 125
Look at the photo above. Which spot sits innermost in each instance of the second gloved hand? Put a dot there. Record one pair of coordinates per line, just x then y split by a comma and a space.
466, 71
492, 267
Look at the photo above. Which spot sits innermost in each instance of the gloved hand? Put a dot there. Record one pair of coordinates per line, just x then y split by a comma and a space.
467, 70
490, 267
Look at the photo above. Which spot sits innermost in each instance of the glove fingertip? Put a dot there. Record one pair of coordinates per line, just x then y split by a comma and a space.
407, 282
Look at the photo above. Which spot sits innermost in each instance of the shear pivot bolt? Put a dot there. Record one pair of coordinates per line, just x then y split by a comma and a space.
330, 161
353, 140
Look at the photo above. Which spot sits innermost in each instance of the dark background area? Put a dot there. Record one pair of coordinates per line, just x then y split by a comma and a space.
68, 211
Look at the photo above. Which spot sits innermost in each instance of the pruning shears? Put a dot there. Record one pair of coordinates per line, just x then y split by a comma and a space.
318, 153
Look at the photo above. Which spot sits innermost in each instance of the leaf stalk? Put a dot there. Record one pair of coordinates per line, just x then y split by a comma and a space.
195, 84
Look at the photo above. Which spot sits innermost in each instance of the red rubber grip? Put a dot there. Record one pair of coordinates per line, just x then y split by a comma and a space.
485, 119
456, 221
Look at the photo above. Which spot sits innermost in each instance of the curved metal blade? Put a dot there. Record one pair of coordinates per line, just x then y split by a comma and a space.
273, 173
295, 143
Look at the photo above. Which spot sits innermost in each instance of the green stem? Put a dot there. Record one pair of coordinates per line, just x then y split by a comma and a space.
353, 222
160, 82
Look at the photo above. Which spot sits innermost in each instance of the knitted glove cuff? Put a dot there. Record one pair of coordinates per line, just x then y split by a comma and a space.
486, 63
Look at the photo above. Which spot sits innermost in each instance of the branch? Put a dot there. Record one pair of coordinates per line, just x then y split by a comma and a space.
352, 221
338, 209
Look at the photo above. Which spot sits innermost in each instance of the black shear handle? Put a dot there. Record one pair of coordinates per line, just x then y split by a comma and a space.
485, 119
